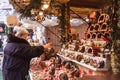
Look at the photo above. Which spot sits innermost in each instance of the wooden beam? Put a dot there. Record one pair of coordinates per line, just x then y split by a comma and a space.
89, 3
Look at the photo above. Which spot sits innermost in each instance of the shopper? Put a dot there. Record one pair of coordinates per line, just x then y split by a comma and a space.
17, 55
93, 17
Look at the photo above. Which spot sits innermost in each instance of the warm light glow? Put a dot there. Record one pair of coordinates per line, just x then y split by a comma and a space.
40, 13
32, 11
45, 6
87, 20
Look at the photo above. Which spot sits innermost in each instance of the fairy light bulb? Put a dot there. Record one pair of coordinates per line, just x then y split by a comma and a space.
40, 13
45, 6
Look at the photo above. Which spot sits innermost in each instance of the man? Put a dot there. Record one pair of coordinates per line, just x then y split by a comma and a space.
17, 55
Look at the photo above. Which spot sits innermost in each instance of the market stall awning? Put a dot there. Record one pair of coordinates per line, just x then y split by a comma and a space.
84, 7
89, 3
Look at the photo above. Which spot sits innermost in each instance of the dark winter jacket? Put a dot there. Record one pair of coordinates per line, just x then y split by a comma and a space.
17, 56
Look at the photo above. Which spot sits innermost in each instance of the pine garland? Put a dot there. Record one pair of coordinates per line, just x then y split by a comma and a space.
57, 8
115, 61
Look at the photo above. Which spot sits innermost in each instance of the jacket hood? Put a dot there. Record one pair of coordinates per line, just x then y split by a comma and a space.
14, 39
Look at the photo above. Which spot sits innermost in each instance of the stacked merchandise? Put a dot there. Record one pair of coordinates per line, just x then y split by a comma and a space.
53, 68
94, 51
86, 53
100, 29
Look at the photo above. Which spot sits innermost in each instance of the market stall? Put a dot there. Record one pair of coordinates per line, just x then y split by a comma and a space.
84, 50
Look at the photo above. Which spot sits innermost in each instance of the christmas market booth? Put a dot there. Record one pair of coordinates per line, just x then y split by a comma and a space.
84, 35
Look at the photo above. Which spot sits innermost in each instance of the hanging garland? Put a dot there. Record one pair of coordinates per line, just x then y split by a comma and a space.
114, 12
56, 7
24, 7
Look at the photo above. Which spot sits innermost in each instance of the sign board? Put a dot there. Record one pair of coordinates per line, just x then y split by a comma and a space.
12, 20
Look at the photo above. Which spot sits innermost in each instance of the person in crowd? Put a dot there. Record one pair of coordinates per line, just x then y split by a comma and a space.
93, 17
17, 55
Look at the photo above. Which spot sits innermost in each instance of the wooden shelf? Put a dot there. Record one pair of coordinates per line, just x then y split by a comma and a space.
83, 64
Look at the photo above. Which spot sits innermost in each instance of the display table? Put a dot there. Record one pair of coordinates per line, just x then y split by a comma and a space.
43, 74
37, 72
89, 69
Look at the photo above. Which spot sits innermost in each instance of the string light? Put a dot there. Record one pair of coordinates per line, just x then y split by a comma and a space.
41, 13
35, 13
45, 6
38, 14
